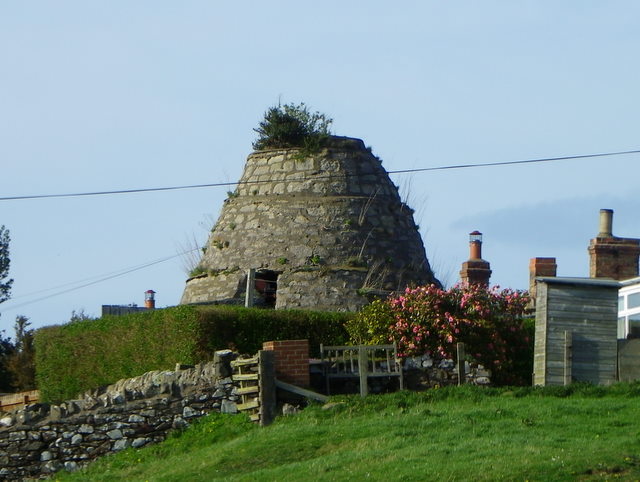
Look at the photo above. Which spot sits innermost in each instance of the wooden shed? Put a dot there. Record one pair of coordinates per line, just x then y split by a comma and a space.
576, 331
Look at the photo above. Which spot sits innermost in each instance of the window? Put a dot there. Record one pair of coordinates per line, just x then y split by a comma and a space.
634, 326
633, 300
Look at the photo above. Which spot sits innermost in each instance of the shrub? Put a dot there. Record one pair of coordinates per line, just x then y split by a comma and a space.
430, 320
371, 325
87, 354
292, 125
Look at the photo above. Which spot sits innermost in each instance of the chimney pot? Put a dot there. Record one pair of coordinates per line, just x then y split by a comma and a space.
475, 245
606, 223
149, 299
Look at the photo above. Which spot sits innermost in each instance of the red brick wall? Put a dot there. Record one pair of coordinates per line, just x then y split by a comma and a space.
292, 360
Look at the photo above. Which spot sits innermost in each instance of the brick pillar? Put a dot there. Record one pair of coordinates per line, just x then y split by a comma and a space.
540, 267
610, 256
292, 360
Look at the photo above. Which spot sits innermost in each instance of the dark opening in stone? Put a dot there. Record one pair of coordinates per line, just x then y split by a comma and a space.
267, 286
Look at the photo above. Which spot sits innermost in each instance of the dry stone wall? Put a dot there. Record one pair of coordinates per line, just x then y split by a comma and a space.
422, 373
331, 228
42, 439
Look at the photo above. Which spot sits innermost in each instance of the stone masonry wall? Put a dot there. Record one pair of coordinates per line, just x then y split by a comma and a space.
41, 439
330, 227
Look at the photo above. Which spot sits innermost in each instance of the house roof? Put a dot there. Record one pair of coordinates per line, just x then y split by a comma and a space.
631, 281
580, 281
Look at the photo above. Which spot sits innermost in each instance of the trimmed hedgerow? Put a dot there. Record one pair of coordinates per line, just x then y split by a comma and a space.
87, 354
245, 329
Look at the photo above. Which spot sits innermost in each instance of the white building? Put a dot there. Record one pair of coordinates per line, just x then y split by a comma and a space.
629, 308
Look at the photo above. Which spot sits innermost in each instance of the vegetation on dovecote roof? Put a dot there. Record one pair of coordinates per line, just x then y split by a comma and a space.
291, 125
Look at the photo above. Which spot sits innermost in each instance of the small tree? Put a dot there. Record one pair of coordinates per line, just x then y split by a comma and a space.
292, 125
21, 363
77, 316
5, 281
7, 349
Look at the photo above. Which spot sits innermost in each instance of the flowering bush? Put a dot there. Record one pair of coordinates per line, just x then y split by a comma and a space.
490, 321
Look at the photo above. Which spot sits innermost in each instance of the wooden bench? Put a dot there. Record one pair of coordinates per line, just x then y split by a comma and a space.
360, 362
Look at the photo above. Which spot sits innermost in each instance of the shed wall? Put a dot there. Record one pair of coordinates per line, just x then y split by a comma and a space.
589, 314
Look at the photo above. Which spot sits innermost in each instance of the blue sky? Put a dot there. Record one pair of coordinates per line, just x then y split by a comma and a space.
121, 95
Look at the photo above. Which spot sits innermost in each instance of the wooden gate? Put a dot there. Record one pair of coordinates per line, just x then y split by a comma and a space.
256, 386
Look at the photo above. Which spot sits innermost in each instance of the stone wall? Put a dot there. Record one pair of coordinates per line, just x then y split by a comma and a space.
330, 228
41, 439
421, 373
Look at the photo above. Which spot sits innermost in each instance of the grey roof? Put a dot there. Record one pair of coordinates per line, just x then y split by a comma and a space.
631, 281
580, 281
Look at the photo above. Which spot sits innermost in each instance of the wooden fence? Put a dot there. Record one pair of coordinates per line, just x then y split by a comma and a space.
18, 400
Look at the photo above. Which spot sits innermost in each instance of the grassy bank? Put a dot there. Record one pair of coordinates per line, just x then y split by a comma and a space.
579, 433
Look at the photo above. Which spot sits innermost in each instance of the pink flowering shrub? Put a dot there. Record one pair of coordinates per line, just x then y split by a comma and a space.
490, 321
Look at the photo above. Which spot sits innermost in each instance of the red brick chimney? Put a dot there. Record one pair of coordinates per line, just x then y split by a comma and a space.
149, 299
610, 256
475, 270
540, 267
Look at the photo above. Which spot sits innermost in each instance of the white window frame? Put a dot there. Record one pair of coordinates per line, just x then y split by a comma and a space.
632, 287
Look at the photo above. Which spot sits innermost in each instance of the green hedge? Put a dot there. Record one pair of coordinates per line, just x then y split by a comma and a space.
245, 329
87, 354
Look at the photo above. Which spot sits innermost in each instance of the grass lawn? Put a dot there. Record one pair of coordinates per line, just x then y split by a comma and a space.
467, 433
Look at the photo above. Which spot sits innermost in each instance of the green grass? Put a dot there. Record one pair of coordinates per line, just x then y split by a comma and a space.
575, 433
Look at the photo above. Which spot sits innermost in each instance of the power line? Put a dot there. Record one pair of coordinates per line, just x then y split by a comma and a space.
401, 171
508, 163
107, 277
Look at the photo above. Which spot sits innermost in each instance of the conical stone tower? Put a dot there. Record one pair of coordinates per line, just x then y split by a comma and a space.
325, 232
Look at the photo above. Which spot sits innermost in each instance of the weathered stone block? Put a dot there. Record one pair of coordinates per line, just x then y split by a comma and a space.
7, 421
189, 412
139, 442
121, 444
85, 428
17, 436
180, 423
228, 407
46, 456
115, 434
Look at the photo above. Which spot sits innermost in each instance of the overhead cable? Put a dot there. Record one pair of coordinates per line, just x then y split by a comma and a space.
9, 306
400, 171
